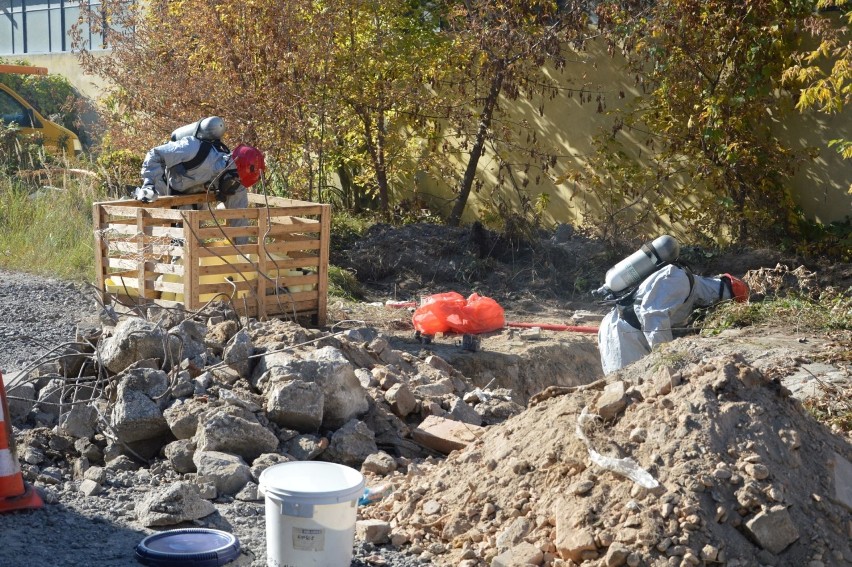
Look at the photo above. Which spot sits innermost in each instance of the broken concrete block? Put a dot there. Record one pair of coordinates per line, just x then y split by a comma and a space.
238, 352
572, 540
439, 363
296, 404
521, 555
379, 463
373, 531
265, 461
514, 533
612, 401
616, 555
23, 400
182, 417
79, 468
186, 342
531, 334
385, 377
79, 422
306, 447
366, 378
461, 411
48, 399
136, 415
773, 529
90, 487
132, 339
586, 317
98, 474
183, 385
436, 389
345, 397
388, 355
351, 444
661, 383
401, 400
234, 430
228, 473
249, 493
179, 453
172, 504
445, 435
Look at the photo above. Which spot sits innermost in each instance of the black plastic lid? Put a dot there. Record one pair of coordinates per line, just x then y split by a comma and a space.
191, 547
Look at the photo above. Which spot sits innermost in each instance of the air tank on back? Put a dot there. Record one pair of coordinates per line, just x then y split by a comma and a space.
210, 129
639, 265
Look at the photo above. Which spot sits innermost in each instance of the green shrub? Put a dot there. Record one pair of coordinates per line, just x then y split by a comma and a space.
347, 228
343, 283
119, 169
52, 95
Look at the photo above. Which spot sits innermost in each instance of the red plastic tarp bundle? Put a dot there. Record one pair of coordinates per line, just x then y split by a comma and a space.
451, 313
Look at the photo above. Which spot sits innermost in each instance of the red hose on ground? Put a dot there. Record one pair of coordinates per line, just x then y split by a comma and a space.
553, 327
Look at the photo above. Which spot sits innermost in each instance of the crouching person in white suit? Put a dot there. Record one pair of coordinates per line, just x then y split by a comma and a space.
661, 303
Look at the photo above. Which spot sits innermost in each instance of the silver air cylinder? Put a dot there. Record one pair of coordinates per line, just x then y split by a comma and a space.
641, 263
211, 128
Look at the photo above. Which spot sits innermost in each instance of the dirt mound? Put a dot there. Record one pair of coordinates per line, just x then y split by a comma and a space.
419, 259
424, 258
746, 476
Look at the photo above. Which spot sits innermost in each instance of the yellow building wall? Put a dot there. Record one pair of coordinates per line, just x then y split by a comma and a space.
820, 187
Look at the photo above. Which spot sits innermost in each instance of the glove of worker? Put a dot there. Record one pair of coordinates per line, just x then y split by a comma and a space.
146, 194
226, 184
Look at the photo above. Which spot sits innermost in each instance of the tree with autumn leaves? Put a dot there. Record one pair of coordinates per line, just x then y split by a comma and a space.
825, 73
352, 89
351, 99
711, 71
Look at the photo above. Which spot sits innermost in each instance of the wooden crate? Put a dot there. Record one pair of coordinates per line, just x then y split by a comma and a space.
159, 253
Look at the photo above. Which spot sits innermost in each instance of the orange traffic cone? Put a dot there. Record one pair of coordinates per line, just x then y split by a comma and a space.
15, 494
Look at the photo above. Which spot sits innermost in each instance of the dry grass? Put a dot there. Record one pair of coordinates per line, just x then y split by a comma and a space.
832, 406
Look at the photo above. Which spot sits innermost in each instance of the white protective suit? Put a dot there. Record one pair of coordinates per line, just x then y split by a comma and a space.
165, 169
663, 302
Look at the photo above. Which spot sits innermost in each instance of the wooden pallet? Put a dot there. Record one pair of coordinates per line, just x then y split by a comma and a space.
160, 253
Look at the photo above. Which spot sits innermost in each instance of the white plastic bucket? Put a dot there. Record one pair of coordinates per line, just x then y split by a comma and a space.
311, 507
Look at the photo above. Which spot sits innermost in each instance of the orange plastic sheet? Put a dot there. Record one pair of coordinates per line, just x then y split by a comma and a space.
450, 312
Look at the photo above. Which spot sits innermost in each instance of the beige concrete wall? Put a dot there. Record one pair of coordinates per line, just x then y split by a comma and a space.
67, 65
820, 188
570, 126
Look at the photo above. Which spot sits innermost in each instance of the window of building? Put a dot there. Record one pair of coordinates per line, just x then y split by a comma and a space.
42, 26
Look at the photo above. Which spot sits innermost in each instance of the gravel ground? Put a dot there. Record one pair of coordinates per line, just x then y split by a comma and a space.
77, 530
37, 314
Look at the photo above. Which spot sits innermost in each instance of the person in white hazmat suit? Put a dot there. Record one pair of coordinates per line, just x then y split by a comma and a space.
661, 304
196, 160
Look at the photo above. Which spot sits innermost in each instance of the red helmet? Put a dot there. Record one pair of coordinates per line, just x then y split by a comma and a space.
739, 289
250, 164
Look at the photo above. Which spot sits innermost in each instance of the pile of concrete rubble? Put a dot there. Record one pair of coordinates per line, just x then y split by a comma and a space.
217, 401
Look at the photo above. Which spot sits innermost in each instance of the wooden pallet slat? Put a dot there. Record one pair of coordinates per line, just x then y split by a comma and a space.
160, 254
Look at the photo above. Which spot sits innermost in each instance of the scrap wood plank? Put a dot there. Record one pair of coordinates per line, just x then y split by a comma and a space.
324, 255
163, 203
292, 205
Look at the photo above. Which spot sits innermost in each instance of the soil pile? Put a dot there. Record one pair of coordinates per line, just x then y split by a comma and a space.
746, 476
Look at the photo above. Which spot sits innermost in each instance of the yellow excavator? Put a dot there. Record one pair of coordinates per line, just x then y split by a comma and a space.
14, 110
